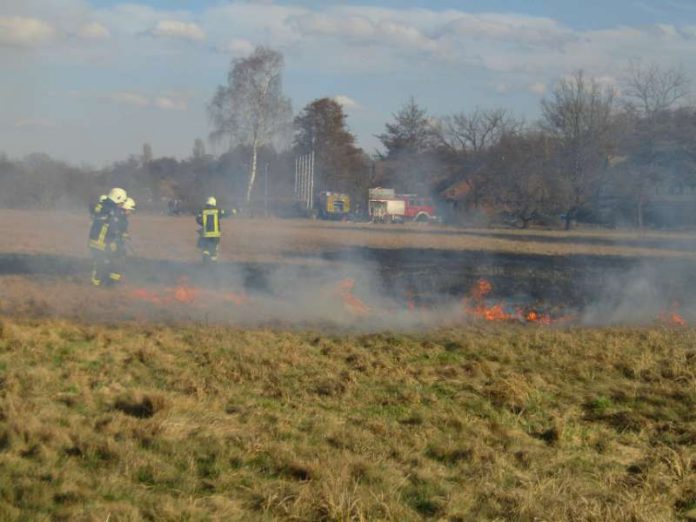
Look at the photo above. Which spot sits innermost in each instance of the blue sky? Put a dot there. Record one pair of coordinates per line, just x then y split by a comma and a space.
91, 80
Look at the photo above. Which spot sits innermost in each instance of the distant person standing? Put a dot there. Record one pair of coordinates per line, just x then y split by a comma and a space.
174, 207
104, 235
209, 232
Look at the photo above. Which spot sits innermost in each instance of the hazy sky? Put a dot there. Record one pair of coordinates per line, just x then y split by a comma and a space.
92, 80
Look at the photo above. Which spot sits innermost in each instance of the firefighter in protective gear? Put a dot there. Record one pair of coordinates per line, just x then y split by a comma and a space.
104, 235
129, 206
209, 232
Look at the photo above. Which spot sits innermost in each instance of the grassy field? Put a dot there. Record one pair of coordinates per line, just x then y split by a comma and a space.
115, 407
174, 238
148, 422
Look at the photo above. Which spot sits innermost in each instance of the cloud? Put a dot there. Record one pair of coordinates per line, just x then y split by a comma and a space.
517, 28
537, 88
93, 31
127, 98
443, 55
24, 32
346, 102
171, 103
355, 27
361, 30
502, 88
238, 47
254, 21
608, 82
164, 101
180, 30
34, 123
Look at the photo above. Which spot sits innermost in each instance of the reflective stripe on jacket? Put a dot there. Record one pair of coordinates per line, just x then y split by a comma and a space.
99, 234
210, 221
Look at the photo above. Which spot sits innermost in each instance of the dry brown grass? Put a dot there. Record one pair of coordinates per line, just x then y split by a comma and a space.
212, 423
174, 238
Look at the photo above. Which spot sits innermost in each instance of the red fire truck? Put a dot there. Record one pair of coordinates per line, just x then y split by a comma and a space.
385, 206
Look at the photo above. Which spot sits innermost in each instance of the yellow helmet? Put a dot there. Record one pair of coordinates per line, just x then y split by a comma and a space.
129, 204
103, 198
118, 195
211, 201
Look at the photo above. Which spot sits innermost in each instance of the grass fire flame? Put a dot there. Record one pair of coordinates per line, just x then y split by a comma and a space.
477, 305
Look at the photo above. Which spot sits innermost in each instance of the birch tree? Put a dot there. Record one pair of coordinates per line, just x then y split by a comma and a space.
251, 109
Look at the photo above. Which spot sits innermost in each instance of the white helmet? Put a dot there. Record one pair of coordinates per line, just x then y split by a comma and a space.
129, 204
211, 201
118, 195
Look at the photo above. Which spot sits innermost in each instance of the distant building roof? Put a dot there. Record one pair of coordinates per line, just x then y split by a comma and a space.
458, 191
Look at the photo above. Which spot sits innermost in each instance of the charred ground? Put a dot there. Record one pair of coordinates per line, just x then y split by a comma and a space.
584, 273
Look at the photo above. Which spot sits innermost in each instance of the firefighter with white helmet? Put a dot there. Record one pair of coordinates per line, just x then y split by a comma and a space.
104, 235
209, 233
129, 205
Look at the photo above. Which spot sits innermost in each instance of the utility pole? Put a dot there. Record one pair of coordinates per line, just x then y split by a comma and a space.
304, 180
265, 190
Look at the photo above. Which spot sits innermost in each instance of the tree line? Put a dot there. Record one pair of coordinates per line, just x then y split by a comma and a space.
608, 154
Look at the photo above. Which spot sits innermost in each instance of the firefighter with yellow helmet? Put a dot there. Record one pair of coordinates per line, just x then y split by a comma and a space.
209, 233
104, 236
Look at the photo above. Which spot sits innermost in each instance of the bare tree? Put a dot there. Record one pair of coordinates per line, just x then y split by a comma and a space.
651, 95
523, 176
476, 131
579, 115
652, 89
251, 109
656, 152
463, 141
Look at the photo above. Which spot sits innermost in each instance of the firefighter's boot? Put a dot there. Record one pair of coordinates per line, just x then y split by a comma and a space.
96, 279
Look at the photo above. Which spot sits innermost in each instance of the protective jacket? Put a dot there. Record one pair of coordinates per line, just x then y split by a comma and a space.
121, 232
209, 220
106, 227
96, 209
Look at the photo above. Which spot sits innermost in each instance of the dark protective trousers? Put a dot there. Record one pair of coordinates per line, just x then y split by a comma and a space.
105, 266
209, 248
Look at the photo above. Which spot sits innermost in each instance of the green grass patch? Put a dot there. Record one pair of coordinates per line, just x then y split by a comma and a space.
481, 423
